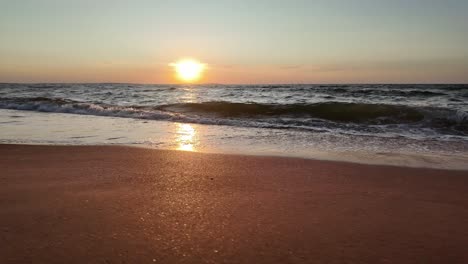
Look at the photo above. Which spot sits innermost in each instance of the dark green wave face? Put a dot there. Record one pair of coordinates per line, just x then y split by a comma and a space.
334, 111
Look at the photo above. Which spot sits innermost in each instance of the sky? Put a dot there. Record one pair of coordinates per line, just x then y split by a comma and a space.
241, 41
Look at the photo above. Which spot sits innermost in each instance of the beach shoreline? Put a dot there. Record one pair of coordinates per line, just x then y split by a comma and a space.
75, 130
117, 204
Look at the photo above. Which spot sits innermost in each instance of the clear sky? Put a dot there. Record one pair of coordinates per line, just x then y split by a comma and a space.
241, 41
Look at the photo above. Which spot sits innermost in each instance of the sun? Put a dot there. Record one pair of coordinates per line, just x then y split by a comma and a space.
188, 70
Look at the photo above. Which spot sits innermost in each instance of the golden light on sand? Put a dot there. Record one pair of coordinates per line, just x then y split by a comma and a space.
188, 70
186, 137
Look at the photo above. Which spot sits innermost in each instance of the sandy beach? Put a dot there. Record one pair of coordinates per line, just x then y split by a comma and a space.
95, 204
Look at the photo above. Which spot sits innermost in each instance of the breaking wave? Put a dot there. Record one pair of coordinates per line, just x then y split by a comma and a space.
59, 105
304, 116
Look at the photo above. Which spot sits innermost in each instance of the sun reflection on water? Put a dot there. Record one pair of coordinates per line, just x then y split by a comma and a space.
189, 94
186, 137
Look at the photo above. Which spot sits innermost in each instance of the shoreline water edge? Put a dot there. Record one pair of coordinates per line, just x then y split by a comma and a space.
402, 125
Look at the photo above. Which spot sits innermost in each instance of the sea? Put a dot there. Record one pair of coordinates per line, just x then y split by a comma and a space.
412, 124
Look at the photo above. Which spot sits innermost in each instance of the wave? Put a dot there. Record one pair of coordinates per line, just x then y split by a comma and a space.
384, 92
333, 111
59, 105
308, 116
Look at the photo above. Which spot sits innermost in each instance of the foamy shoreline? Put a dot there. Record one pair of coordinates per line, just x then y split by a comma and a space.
25, 127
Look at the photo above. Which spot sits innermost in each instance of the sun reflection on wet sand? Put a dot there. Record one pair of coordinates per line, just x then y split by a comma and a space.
186, 137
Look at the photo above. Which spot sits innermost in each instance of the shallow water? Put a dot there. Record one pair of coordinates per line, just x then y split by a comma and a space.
26, 127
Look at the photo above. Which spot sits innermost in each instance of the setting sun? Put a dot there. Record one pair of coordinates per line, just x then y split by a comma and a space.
188, 70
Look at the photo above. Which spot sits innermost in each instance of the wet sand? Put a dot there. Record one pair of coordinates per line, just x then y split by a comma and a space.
128, 205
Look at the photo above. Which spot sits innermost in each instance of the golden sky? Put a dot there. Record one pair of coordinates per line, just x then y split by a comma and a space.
243, 42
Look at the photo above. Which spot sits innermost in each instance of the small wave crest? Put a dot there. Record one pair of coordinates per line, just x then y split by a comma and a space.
59, 105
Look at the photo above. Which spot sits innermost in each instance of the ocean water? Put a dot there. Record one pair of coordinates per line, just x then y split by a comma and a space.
290, 120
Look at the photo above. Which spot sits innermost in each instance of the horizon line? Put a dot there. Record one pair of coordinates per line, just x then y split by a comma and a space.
253, 84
